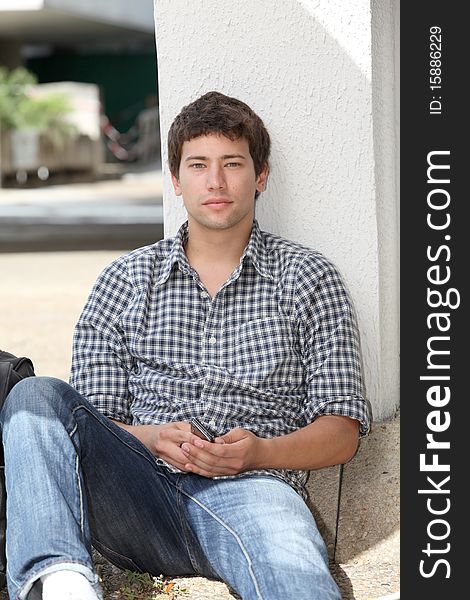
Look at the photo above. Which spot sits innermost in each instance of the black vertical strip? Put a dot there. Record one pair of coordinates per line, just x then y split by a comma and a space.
435, 352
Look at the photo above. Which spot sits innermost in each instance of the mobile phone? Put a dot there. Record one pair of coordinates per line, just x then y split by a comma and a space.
201, 430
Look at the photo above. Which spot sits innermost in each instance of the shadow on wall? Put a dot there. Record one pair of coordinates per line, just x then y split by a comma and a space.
328, 200
370, 507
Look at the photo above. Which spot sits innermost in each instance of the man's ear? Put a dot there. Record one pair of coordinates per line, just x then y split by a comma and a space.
176, 185
262, 179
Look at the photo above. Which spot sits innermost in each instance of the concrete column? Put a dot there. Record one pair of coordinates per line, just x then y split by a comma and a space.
306, 67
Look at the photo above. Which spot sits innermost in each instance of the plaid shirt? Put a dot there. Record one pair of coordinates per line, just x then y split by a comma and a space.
274, 349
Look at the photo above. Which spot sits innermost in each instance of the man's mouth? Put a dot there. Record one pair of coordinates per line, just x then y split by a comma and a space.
216, 202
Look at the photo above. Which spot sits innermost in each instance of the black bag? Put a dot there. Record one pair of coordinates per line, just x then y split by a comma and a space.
12, 370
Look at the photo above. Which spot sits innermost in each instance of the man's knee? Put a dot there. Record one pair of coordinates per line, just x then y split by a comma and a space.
295, 559
34, 394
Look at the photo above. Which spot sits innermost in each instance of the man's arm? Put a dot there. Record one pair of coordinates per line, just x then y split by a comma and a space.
101, 362
329, 440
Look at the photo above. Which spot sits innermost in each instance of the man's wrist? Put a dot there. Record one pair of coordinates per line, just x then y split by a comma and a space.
264, 458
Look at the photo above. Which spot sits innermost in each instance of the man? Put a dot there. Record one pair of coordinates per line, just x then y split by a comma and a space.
249, 333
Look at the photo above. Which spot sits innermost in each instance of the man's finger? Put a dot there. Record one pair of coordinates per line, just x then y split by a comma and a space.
234, 435
207, 451
204, 472
175, 436
209, 464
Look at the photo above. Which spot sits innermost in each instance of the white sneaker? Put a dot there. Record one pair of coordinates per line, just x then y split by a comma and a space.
67, 585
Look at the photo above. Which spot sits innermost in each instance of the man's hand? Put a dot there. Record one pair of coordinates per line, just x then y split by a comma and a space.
329, 440
165, 440
235, 452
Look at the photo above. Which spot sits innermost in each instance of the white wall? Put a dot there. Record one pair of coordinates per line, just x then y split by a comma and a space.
306, 68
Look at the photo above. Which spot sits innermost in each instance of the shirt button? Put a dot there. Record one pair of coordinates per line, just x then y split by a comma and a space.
204, 295
212, 340
212, 424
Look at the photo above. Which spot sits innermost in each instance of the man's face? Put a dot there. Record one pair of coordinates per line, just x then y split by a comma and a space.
218, 182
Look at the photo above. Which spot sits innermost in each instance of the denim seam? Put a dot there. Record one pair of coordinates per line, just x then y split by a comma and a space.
185, 531
237, 538
117, 554
150, 459
80, 494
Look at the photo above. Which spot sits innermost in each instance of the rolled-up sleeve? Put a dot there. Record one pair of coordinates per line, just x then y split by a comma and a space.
100, 359
331, 347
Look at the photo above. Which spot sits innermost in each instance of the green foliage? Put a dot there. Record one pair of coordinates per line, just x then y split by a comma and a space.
20, 109
13, 87
142, 586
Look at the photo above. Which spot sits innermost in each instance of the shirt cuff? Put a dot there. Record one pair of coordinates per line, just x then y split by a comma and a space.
354, 407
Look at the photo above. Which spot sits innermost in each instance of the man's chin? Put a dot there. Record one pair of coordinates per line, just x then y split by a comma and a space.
217, 222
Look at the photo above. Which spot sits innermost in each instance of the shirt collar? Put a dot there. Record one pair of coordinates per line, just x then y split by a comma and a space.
176, 255
255, 251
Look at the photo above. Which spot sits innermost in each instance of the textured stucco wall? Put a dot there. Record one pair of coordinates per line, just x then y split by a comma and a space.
306, 68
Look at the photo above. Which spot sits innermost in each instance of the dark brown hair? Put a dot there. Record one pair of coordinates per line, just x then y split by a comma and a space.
216, 113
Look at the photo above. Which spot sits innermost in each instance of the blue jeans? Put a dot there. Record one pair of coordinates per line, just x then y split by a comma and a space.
76, 480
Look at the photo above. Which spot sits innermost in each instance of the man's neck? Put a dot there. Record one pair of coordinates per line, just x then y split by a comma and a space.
214, 254
223, 246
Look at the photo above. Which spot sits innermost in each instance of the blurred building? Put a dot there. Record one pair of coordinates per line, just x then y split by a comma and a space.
110, 43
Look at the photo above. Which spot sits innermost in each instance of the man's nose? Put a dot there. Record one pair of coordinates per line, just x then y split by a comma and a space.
215, 178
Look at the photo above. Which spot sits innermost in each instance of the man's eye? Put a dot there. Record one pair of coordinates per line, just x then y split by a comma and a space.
233, 164
196, 165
